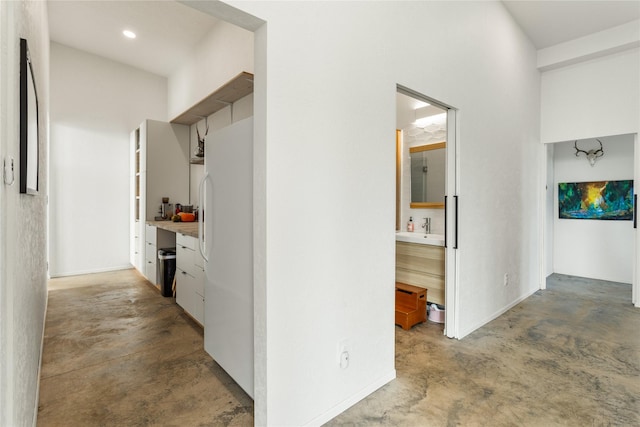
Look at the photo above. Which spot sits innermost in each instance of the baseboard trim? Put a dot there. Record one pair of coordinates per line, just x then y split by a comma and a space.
498, 313
346, 404
92, 271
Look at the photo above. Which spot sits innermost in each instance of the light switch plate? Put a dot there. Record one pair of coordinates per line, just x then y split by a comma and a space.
8, 171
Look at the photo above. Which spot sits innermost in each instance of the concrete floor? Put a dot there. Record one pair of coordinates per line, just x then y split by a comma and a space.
567, 356
116, 353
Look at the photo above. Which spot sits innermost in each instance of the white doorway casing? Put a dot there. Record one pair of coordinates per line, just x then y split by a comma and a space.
635, 292
546, 213
452, 297
549, 215
450, 221
596, 249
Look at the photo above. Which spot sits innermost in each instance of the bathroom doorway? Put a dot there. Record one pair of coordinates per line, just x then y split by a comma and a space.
426, 204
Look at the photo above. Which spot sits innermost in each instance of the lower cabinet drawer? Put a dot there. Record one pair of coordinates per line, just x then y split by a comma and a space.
199, 281
151, 271
150, 251
184, 240
184, 258
150, 234
187, 296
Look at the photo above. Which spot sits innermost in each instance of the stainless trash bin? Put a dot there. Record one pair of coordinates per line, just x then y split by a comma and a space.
167, 258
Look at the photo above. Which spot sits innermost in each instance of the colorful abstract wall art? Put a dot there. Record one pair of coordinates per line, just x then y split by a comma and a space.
611, 200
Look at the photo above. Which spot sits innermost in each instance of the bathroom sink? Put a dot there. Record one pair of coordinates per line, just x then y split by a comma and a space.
421, 238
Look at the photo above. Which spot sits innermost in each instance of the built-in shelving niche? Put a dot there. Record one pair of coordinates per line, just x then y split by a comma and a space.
238, 87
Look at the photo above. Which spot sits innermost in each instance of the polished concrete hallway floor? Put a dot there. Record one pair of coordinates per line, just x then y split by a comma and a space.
566, 356
118, 354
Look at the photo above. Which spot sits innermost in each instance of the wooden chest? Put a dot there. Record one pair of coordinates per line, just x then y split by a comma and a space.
411, 305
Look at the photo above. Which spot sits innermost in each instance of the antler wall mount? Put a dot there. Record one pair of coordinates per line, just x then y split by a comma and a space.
592, 155
200, 150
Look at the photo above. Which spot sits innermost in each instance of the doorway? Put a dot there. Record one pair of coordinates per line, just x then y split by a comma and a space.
426, 201
575, 246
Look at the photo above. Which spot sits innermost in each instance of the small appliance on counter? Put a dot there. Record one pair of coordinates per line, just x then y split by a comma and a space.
165, 210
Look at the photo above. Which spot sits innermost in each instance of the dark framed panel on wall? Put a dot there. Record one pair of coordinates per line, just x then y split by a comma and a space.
605, 200
29, 138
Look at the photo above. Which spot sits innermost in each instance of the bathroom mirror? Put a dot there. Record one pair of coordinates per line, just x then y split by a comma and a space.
428, 165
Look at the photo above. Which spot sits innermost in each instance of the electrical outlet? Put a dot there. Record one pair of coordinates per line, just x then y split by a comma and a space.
344, 347
344, 360
506, 279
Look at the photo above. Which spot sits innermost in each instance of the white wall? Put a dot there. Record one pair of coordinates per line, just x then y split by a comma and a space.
591, 248
590, 88
96, 103
595, 98
595, 45
325, 159
220, 56
23, 218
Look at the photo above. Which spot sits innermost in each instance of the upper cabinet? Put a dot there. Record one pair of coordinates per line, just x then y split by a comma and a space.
161, 166
238, 87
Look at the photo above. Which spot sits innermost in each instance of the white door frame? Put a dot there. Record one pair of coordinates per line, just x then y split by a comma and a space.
542, 217
543, 225
451, 289
545, 155
635, 287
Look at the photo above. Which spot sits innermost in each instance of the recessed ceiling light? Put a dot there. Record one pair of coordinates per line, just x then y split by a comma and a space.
129, 34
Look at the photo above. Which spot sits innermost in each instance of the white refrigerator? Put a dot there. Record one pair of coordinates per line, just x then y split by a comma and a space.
226, 243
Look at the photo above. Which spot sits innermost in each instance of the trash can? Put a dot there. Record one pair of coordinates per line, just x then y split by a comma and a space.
167, 258
436, 313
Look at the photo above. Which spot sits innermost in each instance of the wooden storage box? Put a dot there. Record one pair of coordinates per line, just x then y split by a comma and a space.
411, 305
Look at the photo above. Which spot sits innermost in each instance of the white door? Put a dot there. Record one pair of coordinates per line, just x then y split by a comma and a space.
451, 230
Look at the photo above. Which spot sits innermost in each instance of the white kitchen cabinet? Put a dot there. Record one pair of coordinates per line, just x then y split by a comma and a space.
189, 277
151, 254
159, 168
136, 228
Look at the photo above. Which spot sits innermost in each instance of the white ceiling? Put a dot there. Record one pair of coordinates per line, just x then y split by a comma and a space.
548, 23
168, 31
406, 107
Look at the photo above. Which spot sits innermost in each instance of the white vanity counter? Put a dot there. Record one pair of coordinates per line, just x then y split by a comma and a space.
420, 238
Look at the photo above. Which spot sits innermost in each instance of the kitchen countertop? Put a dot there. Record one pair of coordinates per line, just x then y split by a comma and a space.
187, 228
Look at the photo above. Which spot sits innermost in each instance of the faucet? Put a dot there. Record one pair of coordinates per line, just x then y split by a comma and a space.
427, 225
